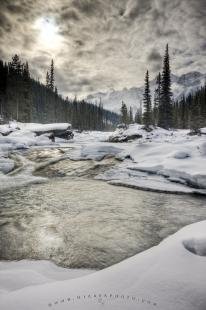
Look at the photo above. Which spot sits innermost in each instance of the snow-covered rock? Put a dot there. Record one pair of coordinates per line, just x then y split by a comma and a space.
162, 160
6, 164
16, 136
166, 277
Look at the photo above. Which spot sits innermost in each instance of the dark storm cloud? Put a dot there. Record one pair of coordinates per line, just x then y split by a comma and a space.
105, 44
155, 60
154, 56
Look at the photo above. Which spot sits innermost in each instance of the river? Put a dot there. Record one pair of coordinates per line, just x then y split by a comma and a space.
79, 222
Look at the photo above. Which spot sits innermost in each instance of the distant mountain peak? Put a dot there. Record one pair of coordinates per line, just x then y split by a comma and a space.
181, 85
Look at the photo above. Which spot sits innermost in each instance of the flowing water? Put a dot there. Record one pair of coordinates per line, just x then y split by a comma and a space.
80, 222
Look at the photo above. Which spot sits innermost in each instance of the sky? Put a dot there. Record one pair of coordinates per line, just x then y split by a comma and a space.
99, 45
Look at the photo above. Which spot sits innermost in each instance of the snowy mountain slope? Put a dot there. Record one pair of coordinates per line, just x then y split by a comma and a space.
183, 84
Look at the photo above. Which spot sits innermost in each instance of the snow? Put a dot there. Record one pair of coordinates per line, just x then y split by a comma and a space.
22, 136
166, 277
161, 160
169, 276
34, 127
168, 161
19, 274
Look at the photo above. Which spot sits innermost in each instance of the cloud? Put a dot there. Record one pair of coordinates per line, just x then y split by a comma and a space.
154, 55
135, 8
105, 44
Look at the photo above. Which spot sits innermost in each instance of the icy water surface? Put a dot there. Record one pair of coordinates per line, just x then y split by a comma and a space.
81, 222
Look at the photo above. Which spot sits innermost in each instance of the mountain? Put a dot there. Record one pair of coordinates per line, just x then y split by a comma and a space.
183, 84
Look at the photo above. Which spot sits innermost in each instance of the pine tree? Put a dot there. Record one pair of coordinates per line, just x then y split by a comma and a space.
47, 79
51, 76
15, 65
131, 118
138, 116
124, 113
195, 119
183, 113
147, 116
203, 105
157, 95
165, 107
3, 88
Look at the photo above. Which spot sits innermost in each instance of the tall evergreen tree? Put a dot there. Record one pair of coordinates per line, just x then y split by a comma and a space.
15, 65
157, 95
124, 113
147, 116
138, 116
131, 118
195, 122
47, 79
51, 75
165, 107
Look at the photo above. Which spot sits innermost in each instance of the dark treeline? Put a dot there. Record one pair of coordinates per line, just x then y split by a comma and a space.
187, 113
26, 100
190, 111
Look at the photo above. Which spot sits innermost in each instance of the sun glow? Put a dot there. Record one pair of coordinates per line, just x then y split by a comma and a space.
48, 33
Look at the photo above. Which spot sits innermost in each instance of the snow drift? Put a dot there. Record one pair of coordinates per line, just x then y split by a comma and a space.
166, 277
168, 161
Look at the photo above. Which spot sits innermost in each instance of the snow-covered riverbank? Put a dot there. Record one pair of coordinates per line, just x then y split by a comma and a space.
166, 277
165, 161
161, 160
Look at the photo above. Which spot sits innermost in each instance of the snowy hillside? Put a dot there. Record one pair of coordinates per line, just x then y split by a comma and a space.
184, 84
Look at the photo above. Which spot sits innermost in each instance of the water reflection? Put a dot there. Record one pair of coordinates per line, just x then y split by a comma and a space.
87, 223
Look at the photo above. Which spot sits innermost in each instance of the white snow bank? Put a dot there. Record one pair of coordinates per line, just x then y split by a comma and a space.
33, 127
138, 130
19, 274
98, 151
165, 158
23, 136
166, 277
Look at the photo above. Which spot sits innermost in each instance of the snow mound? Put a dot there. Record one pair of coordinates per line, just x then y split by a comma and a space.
168, 159
196, 245
181, 155
165, 277
17, 275
203, 149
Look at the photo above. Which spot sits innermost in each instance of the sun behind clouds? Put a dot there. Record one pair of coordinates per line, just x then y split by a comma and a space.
48, 34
